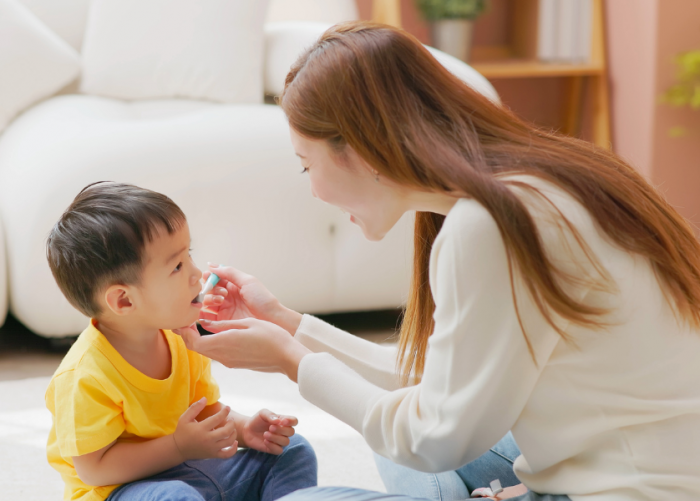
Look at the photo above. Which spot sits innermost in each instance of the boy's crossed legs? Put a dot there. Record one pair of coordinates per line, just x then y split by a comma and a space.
249, 475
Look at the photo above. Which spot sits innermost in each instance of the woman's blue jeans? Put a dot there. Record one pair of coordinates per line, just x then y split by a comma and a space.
249, 475
404, 484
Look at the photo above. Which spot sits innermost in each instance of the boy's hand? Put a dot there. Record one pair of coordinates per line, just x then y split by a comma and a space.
213, 437
268, 432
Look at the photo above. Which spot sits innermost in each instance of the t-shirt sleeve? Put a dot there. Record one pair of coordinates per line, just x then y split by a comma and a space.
205, 385
86, 418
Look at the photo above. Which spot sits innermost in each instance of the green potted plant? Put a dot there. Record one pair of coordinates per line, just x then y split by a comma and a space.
452, 23
686, 92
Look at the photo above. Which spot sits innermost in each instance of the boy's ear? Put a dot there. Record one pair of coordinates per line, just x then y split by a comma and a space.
118, 299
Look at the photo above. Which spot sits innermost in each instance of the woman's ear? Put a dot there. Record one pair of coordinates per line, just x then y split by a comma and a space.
118, 299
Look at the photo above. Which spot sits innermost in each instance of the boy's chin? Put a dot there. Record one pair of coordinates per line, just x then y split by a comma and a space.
182, 324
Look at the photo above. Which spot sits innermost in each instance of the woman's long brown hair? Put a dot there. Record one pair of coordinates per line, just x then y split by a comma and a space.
378, 90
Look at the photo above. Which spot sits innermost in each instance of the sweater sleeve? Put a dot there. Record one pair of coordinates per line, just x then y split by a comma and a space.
375, 363
478, 373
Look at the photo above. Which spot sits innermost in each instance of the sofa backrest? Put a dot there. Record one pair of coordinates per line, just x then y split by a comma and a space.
67, 18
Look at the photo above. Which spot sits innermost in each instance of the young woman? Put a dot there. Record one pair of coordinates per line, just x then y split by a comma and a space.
555, 293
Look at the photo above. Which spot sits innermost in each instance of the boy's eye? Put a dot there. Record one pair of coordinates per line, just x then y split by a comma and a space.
178, 267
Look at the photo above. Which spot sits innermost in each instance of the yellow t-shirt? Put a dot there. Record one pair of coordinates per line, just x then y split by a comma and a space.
96, 396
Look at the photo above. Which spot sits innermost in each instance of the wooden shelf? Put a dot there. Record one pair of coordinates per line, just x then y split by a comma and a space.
522, 68
517, 60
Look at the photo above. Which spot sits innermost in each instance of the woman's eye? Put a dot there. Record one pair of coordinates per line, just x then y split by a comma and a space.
306, 169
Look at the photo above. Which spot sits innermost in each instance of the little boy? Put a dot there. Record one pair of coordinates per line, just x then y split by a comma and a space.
135, 414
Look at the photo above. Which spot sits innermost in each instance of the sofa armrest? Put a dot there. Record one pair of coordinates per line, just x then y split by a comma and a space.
284, 42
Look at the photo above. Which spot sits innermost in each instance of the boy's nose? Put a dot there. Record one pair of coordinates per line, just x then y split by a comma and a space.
196, 275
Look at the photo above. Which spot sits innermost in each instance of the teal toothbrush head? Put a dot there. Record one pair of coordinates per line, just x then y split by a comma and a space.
208, 287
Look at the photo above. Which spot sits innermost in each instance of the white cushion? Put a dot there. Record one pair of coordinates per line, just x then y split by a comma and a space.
34, 62
66, 18
199, 49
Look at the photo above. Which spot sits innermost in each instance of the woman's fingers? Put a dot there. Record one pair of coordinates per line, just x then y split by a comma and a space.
190, 335
231, 274
213, 300
208, 314
224, 325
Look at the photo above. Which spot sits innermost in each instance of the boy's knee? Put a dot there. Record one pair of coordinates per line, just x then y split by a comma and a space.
181, 491
301, 449
171, 490
301, 453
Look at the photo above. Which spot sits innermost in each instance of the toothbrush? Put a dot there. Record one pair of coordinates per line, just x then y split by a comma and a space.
208, 287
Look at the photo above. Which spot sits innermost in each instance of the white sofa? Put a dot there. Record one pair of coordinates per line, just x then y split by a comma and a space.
231, 168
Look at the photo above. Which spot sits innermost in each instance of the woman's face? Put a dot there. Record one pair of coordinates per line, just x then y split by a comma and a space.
349, 183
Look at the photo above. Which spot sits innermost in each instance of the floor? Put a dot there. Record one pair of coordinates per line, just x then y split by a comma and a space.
27, 362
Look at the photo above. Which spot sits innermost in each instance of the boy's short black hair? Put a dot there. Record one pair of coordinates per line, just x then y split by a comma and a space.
100, 239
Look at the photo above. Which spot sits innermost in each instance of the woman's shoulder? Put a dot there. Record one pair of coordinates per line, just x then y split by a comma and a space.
551, 207
566, 229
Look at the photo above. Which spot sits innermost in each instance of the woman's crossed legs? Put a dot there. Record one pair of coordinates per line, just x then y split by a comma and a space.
404, 484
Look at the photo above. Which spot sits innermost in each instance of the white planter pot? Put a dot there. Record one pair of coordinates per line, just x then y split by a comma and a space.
453, 36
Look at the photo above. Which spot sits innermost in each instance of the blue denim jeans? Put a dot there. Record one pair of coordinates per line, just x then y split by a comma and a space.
248, 476
404, 484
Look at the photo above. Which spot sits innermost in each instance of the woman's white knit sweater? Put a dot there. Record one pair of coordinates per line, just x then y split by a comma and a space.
610, 415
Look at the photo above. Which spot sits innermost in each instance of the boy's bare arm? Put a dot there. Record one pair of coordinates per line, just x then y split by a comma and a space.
122, 462
119, 463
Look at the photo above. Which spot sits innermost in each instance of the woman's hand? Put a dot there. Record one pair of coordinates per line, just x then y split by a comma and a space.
239, 295
248, 344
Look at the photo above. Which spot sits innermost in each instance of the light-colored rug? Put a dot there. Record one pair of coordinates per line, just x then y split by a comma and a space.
344, 457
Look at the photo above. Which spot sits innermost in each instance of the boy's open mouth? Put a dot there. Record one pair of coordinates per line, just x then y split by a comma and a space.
195, 300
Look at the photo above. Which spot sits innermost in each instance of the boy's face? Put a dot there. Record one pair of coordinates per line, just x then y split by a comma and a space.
170, 281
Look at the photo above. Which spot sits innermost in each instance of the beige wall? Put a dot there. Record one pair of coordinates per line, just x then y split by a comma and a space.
676, 161
631, 54
643, 38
